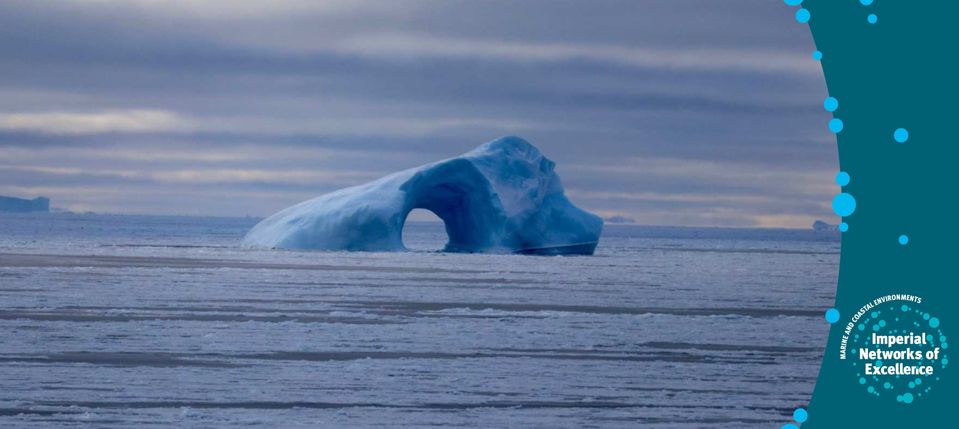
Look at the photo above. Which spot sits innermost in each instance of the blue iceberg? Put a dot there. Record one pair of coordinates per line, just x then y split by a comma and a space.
20, 205
502, 197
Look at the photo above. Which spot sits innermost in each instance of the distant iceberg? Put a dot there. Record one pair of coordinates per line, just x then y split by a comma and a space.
20, 205
620, 219
502, 197
819, 225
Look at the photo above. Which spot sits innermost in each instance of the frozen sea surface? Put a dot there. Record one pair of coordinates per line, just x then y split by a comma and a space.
138, 321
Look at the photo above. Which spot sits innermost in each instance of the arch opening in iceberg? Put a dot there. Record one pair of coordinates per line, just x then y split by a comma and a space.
424, 231
502, 197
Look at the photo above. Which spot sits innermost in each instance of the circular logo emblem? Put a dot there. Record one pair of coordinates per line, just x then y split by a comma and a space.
897, 349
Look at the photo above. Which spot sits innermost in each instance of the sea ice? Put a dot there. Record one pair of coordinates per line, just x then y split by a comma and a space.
501, 197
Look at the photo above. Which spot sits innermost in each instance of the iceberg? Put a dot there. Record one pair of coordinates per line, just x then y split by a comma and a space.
819, 225
502, 197
20, 205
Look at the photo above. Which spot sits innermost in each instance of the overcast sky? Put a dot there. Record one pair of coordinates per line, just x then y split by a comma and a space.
671, 112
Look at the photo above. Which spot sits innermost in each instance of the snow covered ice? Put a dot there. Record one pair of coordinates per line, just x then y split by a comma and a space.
163, 322
501, 197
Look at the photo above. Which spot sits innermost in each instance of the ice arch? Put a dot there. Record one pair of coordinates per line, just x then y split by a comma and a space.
501, 197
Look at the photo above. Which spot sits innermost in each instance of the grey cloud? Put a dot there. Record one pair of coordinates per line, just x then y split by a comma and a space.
361, 88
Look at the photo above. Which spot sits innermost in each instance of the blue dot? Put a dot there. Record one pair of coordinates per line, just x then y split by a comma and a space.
871, 389
887, 385
905, 307
878, 363
842, 179
925, 316
802, 16
831, 104
800, 415
875, 327
945, 346
901, 135
817, 55
882, 323
862, 327
934, 323
832, 316
843, 204
907, 397
904, 239
835, 125
872, 18
864, 2
918, 381
843, 227
796, 2
912, 385
790, 426
862, 380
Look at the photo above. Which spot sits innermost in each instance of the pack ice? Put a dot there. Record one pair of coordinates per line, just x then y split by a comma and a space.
502, 197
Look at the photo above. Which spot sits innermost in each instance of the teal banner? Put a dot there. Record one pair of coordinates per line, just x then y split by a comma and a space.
890, 68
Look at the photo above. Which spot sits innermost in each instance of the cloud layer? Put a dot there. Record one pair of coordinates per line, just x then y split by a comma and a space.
688, 112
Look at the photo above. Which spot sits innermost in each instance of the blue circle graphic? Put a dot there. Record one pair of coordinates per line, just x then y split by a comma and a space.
904, 239
798, 2
832, 316
842, 179
800, 415
802, 16
864, 2
934, 322
817, 55
835, 125
844, 204
901, 135
843, 227
872, 18
831, 104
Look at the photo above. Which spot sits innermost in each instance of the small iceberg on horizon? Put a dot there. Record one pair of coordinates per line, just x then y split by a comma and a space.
822, 226
22, 205
502, 197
